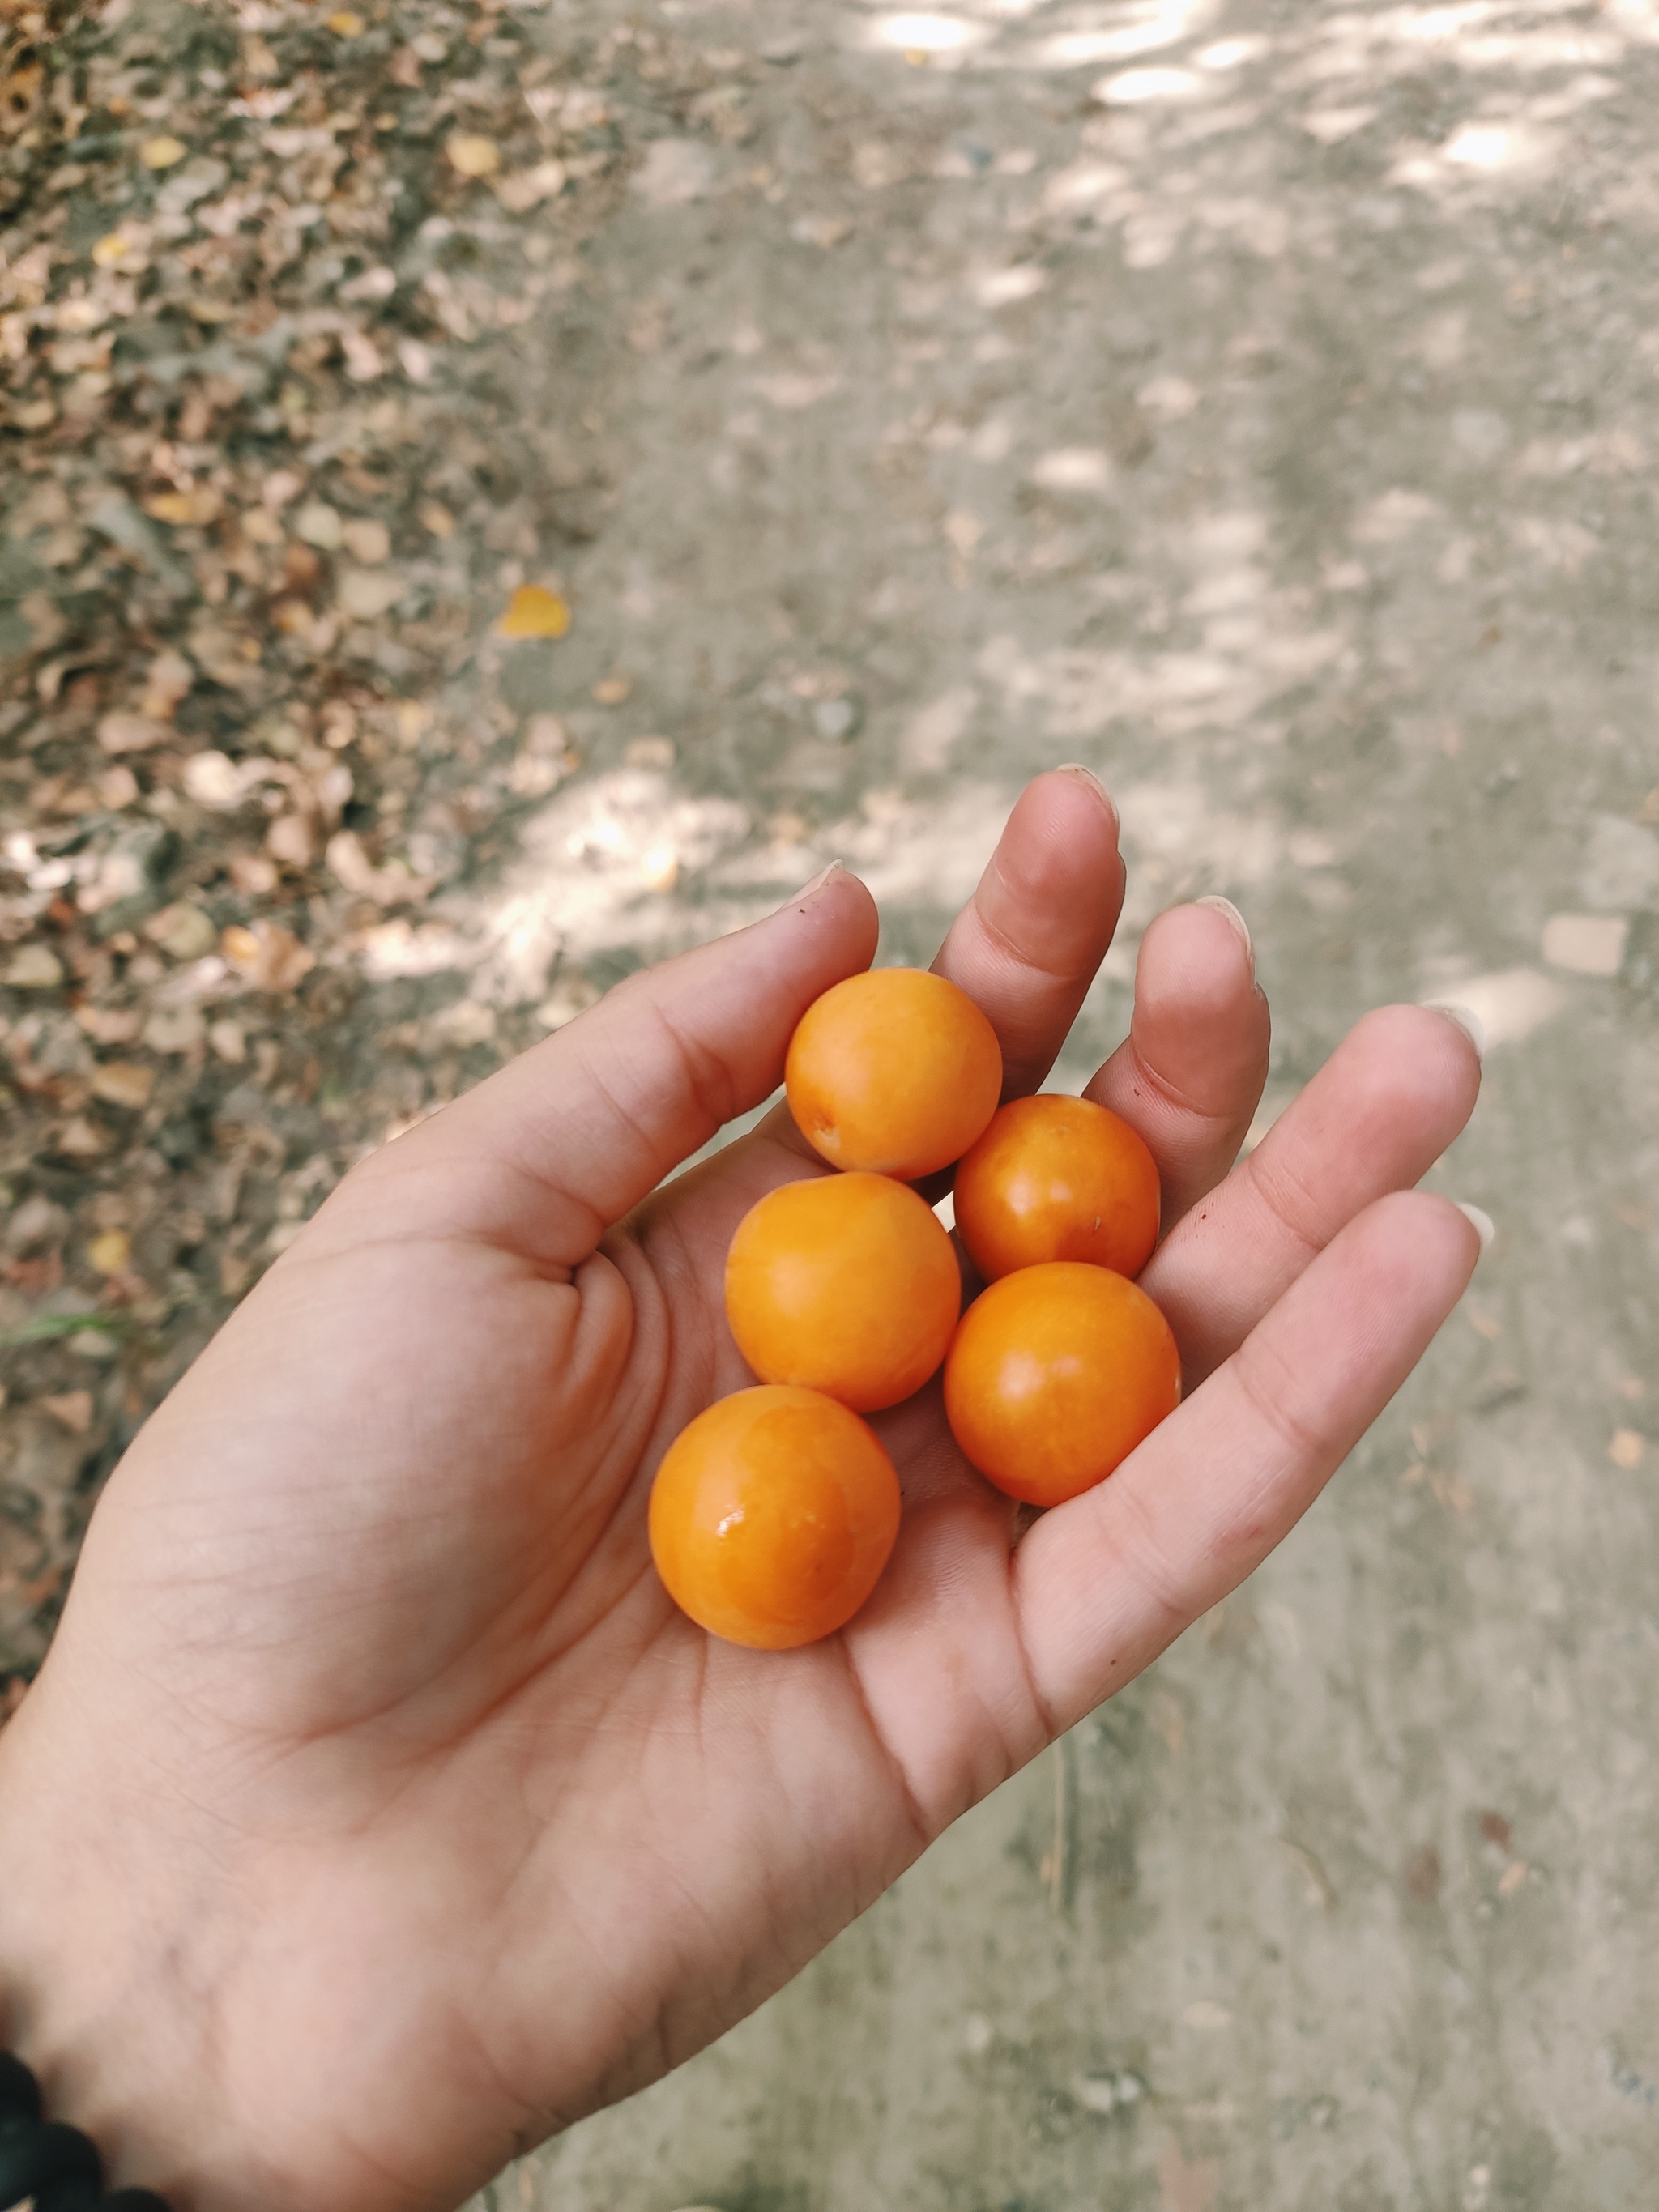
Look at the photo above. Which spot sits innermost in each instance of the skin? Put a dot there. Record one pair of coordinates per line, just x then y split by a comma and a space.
376, 1814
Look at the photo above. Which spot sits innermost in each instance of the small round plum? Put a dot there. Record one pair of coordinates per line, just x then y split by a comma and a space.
1057, 1178
846, 1283
772, 1516
896, 1071
1055, 1374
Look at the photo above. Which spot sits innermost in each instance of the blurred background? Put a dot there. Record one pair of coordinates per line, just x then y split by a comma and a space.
494, 493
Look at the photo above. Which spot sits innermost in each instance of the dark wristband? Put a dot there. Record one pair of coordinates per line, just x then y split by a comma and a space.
55, 2166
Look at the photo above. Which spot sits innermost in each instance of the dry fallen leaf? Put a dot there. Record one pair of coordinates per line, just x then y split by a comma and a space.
289, 840
166, 681
162, 152
73, 1408
465, 1024
182, 932
388, 886
271, 957
212, 778
370, 543
532, 776
534, 611
131, 733
110, 1024
174, 1029
363, 360
124, 1082
254, 874
78, 1139
346, 25
650, 752
530, 187
185, 509
32, 968
112, 1252
366, 595
472, 155
319, 524
116, 246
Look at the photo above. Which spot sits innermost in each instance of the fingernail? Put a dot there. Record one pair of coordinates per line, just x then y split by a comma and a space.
1482, 1223
1225, 906
817, 884
1076, 768
1460, 1018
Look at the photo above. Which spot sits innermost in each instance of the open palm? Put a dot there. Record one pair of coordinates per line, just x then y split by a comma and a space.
376, 1814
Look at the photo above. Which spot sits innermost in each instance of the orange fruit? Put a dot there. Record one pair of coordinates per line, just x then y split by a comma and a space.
1057, 1178
772, 1516
896, 1071
1055, 1374
846, 1283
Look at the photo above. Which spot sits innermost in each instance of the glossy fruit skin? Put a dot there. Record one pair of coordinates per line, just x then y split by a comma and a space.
896, 1071
1056, 1373
1056, 1178
772, 1516
847, 1284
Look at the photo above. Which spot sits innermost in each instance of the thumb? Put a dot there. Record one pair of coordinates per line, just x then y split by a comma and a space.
547, 1154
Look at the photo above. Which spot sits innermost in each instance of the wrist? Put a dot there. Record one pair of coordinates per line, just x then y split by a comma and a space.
93, 1958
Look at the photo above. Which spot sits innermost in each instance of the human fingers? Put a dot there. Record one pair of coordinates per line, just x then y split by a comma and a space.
546, 1155
1374, 1119
1026, 946
1190, 1074
1103, 1583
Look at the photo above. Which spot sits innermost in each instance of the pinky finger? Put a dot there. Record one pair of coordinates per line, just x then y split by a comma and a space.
1103, 1584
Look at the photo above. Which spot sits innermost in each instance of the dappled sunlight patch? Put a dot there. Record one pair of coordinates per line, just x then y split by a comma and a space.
1394, 514
1181, 841
1556, 541
911, 852
614, 862
1133, 87
923, 853
1098, 35
1072, 469
934, 35
1478, 151
1330, 125
1510, 1004
1077, 693
1086, 185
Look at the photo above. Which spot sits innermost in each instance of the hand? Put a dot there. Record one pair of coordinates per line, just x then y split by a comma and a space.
376, 1814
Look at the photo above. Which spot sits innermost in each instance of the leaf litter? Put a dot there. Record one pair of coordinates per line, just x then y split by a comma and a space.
277, 555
